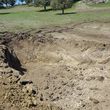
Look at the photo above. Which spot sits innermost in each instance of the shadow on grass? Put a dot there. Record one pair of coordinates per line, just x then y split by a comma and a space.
2, 7
4, 13
68, 13
45, 10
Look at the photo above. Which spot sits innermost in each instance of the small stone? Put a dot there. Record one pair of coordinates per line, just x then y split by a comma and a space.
90, 78
29, 88
41, 97
47, 87
34, 101
25, 82
55, 98
95, 101
79, 88
100, 78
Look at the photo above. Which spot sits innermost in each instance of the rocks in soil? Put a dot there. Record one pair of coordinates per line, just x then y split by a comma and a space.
24, 82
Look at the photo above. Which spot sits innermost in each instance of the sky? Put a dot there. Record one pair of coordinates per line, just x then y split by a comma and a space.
18, 2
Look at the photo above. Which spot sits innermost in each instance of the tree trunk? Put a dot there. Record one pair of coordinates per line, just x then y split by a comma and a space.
62, 10
45, 8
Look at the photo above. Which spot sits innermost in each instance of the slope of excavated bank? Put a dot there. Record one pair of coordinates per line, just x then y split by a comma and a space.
16, 94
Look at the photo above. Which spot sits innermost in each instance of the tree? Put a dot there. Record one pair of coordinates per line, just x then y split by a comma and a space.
43, 3
61, 4
7, 2
12, 2
1, 3
28, 1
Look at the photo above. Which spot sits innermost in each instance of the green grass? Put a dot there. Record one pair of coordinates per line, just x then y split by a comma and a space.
26, 18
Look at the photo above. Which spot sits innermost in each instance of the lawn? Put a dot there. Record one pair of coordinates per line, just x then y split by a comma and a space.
21, 18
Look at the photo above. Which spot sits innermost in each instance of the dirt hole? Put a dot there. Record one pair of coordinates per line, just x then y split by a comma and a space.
69, 66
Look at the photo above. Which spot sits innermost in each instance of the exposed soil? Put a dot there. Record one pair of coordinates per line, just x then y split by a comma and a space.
61, 68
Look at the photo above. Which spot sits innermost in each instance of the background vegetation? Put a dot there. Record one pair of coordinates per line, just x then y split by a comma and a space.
27, 17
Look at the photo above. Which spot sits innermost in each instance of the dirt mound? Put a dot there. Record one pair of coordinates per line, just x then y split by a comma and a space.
68, 66
16, 94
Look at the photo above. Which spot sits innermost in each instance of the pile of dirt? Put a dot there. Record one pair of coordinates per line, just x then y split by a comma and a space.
16, 94
95, 1
82, 6
67, 67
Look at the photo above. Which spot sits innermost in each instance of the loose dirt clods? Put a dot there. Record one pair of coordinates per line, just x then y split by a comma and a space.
56, 69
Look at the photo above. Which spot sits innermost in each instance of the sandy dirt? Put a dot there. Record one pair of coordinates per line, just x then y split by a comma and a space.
68, 66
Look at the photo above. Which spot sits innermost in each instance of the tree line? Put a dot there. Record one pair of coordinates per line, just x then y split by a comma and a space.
55, 4
7, 3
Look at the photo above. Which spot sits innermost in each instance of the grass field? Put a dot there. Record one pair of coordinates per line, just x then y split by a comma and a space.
22, 18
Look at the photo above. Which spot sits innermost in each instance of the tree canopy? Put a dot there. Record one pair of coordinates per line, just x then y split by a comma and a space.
43, 3
7, 2
61, 4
